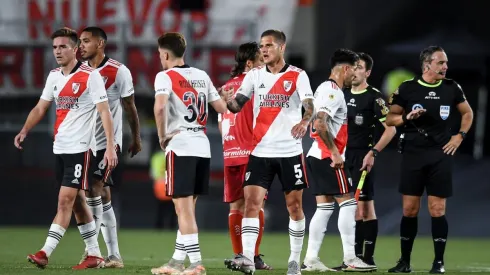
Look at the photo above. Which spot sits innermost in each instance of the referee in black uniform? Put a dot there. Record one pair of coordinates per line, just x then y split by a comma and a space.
366, 109
422, 107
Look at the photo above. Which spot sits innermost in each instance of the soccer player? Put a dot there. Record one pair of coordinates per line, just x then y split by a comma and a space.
421, 107
236, 130
182, 97
365, 108
330, 180
279, 91
120, 92
78, 91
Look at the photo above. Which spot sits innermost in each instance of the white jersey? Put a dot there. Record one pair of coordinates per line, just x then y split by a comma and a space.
189, 90
76, 95
119, 84
329, 98
277, 108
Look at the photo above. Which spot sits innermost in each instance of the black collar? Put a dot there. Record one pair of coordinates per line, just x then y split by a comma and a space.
74, 69
101, 63
182, 66
286, 66
333, 81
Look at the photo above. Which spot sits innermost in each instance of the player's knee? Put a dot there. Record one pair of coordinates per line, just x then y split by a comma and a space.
410, 210
295, 209
65, 203
106, 195
437, 209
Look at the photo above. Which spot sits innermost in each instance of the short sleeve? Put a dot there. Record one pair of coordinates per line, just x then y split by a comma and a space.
303, 86
48, 93
124, 81
163, 85
398, 96
380, 108
459, 97
247, 87
327, 100
213, 94
96, 87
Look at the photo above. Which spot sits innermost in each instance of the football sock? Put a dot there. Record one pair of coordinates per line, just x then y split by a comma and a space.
261, 231
296, 236
408, 232
370, 229
359, 238
347, 227
55, 234
191, 243
317, 229
109, 230
180, 252
439, 235
235, 227
250, 233
89, 236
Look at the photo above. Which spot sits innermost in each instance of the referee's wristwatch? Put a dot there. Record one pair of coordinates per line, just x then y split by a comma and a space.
463, 134
375, 152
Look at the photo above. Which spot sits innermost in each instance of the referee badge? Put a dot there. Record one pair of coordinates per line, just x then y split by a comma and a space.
444, 111
359, 119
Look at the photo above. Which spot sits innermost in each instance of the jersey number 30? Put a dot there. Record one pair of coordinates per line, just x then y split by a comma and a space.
196, 107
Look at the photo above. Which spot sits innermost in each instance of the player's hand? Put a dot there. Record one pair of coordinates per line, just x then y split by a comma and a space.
165, 140
228, 94
416, 114
337, 161
299, 130
135, 147
19, 138
110, 158
453, 144
368, 162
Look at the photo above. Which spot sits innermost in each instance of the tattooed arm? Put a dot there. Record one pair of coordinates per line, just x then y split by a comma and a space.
321, 127
309, 110
235, 104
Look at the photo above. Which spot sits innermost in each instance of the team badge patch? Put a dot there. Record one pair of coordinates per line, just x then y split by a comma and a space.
287, 84
417, 106
444, 111
75, 87
359, 120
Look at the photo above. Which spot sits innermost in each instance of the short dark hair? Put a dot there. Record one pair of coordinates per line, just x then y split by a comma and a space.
343, 56
247, 51
367, 59
66, 32
278, 35
426, 54
96, 31
174, 42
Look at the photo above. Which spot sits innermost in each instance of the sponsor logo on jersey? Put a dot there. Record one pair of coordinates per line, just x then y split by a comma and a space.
236, 152
417, 106
262, 86
352, 102
274, 100
432, 95
229, 138
444, 111
67, 103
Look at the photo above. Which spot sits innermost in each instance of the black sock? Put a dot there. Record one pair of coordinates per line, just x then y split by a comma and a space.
439, 236
408, 231
359, 238
370, 229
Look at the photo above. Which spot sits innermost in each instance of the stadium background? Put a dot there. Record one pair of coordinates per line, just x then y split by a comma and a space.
393, 32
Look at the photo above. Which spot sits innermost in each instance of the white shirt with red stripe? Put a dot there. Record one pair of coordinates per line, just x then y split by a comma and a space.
189, 90
237, 129
277, 108
119, 84
76, 95
329, 98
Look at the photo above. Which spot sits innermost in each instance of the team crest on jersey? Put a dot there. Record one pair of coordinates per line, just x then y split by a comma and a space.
444, 111
359, 120
287, 85
75, 87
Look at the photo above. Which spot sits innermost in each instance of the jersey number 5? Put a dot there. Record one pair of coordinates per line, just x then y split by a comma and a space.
196, 107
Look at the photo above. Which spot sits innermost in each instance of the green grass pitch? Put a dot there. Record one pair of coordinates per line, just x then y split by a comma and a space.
144, 249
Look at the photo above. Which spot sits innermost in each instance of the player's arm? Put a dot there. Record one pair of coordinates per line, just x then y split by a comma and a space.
129, 106
306, 96
98, 93
397, 116
321, 127
381, 110
37, 113
466, 121
163, 88
243, 94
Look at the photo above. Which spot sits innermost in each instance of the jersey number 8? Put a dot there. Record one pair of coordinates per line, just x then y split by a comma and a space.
196, 107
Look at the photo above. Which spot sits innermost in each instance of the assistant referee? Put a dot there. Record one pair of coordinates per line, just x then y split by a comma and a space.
422, 107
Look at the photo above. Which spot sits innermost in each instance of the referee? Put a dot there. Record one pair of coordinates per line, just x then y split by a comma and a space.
365, 109
422, 107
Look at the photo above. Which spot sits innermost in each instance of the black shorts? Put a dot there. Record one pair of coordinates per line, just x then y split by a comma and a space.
186, 175
74, 170
353, 162
290, 170
327, 181
100, 171
430, 170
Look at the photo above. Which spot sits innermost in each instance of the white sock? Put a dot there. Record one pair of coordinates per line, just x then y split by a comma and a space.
318, 227
55, 234
109, 230
250, 233
347, 227
191, 243
89, 236
296, 236
179, 253
95, 205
